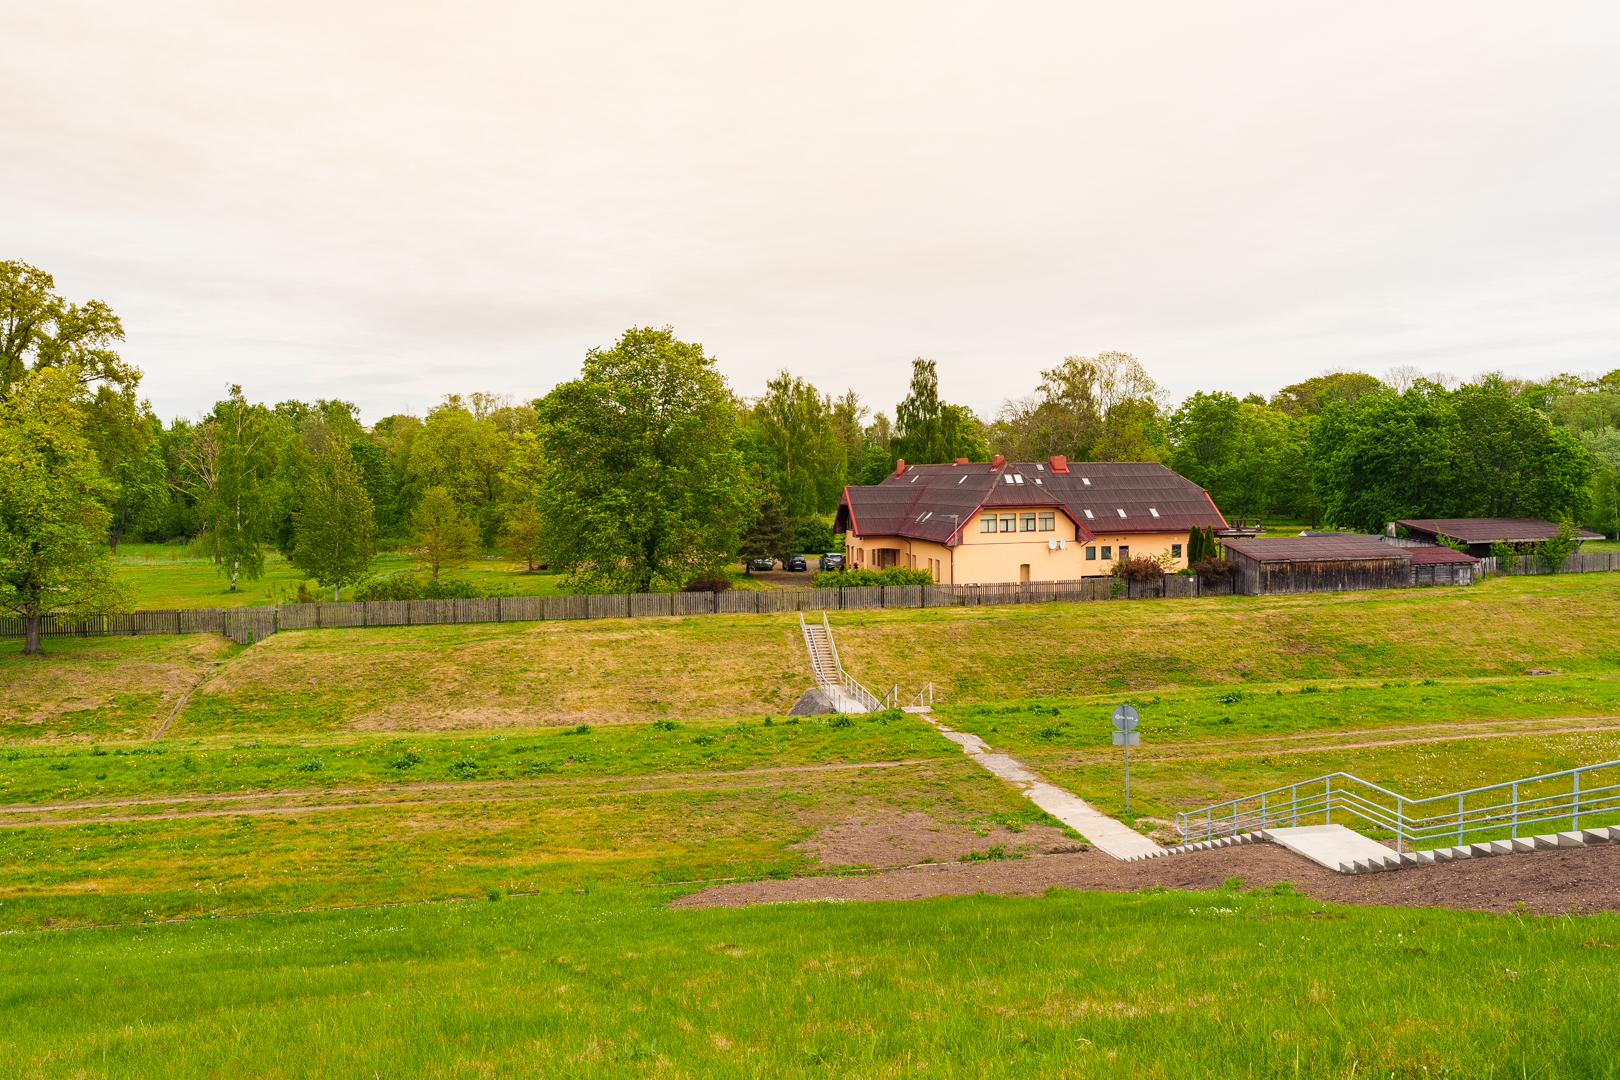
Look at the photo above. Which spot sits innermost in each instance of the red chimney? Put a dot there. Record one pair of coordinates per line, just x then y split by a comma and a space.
997, 462
961, 461
1060, 463
900, 467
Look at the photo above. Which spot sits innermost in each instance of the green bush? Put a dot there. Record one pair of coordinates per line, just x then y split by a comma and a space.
412, 586
894, 575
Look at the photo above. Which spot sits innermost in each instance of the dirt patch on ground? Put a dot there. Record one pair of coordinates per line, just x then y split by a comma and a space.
1578, 880
896, 839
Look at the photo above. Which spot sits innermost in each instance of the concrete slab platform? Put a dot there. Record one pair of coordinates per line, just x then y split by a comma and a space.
1330, 845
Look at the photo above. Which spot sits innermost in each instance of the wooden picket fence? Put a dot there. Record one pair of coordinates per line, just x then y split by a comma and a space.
246, 625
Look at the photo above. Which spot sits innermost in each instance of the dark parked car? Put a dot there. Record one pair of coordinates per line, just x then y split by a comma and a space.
764, 562
832, 562
796, 563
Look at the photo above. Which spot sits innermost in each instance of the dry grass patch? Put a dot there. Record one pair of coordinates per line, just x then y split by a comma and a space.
101, 687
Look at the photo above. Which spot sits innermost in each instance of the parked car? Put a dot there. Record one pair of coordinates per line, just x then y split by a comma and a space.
796, 563
764, 562
832, 562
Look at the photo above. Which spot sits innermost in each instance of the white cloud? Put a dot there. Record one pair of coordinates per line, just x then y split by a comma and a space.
386, 203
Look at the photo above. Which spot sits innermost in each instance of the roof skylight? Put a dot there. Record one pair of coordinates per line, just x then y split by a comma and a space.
1152, 511
1086, 480
1090, 515
1118, 511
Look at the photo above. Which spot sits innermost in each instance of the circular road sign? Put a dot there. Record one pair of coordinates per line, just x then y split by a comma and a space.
1125, 718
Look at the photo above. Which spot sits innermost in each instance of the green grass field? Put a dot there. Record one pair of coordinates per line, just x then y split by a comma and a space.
305, 780
166, 576
609, 983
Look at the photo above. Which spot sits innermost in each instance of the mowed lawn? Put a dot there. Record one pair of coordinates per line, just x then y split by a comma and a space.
167, 576
607, 982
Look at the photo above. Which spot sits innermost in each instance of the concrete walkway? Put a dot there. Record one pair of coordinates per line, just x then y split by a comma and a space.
1105, 833
1333, 846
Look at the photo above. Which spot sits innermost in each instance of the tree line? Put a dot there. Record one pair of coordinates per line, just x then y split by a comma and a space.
648, 470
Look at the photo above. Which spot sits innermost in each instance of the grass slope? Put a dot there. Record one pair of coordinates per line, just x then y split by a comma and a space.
561, 672
606, 983
523, 674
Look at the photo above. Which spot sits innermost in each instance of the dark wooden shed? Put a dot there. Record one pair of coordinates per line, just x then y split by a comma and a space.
1301, 564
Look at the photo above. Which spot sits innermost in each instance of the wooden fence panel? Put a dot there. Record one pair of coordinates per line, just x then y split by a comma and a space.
856, 597
386, 613
157, 622
428, 612
1180, 587
608, 606
299, 616
567, 607
824, 599
694, 603
208, 620
902, 596
521, 609
479, 609
651, 605
343, 615
779, 600
736, 602
940, 596
246, 625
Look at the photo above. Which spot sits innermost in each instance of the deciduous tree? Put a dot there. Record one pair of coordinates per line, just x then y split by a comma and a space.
336, 526
647, 487
53, 521
446, 536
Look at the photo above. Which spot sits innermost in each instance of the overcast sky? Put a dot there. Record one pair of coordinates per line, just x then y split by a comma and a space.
389, 202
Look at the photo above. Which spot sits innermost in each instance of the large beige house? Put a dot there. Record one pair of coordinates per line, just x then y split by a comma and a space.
1002, 521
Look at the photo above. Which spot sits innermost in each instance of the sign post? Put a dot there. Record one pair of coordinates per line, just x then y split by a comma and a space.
1126, 735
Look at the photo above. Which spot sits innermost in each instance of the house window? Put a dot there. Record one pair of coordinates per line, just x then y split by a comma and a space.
1009, 522
1124, 553
1175, 551
1091, 553
1107, 552
1028, 522
987, 523
1049, 522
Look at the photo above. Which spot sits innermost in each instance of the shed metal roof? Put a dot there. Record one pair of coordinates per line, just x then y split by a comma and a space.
1436, 553
1316, 549
1491, 530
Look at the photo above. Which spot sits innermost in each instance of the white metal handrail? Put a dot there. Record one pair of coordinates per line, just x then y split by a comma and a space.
1513, 805
837, 683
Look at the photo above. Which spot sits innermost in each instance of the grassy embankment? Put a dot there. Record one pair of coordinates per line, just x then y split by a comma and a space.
309, 726
607, 983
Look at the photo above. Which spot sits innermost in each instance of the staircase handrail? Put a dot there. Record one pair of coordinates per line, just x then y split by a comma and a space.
846, 682
1413, 820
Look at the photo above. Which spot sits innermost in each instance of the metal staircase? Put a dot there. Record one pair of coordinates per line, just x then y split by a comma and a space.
842, 691
1572, 801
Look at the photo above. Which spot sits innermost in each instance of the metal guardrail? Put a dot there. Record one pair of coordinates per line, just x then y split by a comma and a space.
1584, 794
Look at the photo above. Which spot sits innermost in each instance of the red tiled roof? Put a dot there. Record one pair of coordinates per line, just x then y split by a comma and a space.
932, 502
1490, 530
1316, 548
